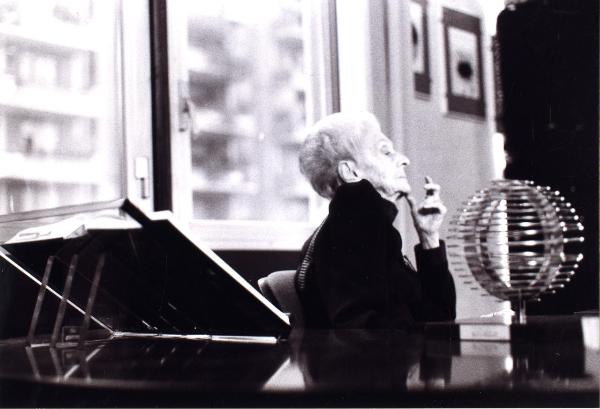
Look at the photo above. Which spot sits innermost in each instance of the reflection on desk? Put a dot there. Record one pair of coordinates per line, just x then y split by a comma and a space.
322, 368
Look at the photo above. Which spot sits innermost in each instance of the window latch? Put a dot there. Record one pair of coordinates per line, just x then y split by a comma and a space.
185, 119
141, 173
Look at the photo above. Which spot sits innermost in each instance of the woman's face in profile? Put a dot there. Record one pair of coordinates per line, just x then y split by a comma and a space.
380, 164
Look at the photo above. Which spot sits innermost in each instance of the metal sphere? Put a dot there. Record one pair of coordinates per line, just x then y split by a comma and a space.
518, 240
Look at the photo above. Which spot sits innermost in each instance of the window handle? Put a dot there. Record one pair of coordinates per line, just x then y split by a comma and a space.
186, 108
141, 172
185, 114
187, 121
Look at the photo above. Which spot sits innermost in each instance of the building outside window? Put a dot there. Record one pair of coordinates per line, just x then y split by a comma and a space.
247, 96
247, 78
60, 133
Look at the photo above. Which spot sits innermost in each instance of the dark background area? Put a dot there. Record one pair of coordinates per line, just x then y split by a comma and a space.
549, 73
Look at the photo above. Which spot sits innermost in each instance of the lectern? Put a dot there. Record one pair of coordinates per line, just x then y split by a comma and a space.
108, 270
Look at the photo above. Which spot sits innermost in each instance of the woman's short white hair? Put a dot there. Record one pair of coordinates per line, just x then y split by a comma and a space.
329, 141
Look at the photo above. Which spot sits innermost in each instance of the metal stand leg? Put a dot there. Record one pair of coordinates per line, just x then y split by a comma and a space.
520, 307
91, 299
40, 300
63, 302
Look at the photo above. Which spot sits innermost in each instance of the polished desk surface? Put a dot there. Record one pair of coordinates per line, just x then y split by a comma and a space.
310, 368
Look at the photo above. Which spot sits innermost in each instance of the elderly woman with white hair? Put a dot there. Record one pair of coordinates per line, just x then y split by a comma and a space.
353, 272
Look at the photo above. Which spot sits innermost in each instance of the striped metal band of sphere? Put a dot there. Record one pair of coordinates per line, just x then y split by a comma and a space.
519, 240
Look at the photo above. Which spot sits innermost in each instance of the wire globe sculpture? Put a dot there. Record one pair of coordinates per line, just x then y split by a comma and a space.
519, 241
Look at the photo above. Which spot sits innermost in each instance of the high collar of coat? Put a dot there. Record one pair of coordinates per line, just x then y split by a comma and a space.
361, 195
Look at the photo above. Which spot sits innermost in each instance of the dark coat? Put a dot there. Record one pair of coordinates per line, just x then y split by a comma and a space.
359, 278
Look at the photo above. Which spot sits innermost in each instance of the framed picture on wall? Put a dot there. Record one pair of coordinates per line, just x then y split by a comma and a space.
420, 46
464, 68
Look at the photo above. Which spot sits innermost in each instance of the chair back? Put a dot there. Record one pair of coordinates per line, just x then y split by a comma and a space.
279, 288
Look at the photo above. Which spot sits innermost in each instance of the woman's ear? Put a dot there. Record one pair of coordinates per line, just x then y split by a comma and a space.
347, 171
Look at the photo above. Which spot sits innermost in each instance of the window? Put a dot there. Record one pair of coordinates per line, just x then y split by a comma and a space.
244, 87
247, 111
61, 139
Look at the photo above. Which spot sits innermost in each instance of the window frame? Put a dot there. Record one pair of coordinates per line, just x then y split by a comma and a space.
161, 111
136, 102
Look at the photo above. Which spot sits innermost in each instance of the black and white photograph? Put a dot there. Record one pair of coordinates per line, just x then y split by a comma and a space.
420, 45
462, 35
299, 203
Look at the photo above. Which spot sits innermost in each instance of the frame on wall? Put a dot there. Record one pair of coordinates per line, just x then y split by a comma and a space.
498, 93
420, 46
464, 67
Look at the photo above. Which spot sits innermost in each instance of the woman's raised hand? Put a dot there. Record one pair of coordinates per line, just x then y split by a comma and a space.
428, 215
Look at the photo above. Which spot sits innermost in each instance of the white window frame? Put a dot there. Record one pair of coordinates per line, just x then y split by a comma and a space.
321, 99
136, 105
